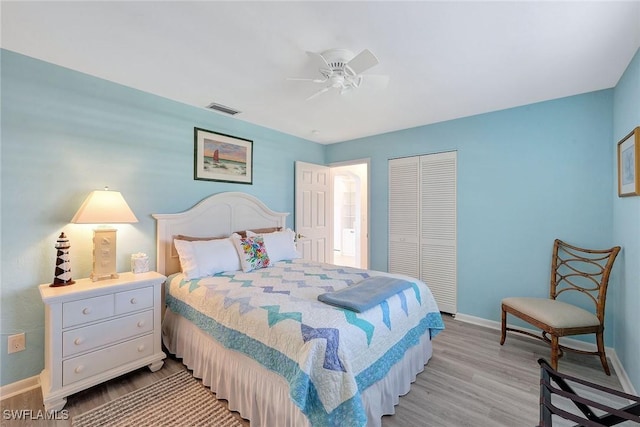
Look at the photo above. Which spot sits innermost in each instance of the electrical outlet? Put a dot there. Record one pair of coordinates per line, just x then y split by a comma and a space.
16, 343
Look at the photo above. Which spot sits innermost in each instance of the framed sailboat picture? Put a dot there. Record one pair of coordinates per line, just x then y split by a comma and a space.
220, 157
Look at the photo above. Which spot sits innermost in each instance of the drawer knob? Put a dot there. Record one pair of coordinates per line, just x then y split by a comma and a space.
78, 341
86, 310
140, 348
134, 301
78, 369
141, 324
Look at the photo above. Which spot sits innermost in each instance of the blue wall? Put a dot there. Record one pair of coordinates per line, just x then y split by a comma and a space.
65, 134
525, 176
626, 231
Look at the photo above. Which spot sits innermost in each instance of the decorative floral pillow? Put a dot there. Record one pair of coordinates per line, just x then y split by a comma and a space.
252, 252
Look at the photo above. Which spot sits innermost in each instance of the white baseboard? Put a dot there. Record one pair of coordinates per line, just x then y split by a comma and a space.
617, 366
625, 381
19, 387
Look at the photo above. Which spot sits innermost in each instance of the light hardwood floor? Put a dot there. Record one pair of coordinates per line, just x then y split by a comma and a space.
470, 381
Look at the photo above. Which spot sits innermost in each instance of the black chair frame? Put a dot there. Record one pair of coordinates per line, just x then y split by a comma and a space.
611, 417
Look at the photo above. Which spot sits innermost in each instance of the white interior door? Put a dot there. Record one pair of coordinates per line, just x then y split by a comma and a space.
313, 207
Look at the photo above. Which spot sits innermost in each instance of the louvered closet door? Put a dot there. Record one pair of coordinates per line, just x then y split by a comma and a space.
404, 216
422, 223
438, 251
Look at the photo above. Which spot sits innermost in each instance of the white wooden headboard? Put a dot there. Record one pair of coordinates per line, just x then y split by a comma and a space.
219, 215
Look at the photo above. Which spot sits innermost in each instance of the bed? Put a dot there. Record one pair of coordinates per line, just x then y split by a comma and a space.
257, 334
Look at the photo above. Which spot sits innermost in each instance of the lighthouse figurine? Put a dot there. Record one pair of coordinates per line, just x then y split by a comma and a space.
63, 265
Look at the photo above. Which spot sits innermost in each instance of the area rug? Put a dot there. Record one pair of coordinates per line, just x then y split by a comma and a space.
177, 400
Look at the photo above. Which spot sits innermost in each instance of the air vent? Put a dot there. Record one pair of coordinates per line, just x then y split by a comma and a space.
222, 108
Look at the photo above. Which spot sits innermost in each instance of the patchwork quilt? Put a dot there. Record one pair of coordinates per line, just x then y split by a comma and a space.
328, 355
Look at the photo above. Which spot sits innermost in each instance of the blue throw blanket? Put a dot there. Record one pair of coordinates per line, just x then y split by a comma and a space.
365, 294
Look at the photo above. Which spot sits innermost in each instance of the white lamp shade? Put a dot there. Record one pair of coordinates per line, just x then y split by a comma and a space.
104, 207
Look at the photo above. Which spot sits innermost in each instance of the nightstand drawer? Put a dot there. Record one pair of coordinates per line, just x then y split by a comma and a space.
134, 300
91, 364
86, 310
90, 337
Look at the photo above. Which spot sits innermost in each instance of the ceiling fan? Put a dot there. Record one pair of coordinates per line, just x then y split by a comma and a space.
339, 69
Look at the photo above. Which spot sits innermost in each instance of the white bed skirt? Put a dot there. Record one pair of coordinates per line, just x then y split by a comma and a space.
262, 396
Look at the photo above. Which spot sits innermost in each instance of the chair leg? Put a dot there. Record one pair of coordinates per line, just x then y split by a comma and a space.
554, 352
503, 336
601, 353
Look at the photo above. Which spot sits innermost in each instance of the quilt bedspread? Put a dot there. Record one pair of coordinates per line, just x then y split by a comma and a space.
328, 355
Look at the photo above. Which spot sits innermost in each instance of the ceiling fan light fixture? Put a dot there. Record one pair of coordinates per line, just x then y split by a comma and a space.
340, 69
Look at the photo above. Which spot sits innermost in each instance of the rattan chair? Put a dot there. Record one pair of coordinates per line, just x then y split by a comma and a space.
574, 270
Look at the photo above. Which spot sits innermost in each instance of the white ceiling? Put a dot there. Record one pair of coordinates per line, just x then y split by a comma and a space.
445, 60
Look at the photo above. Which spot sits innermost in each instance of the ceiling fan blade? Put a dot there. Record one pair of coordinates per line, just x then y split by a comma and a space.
318, 60
302, 79
362, 62
318, 93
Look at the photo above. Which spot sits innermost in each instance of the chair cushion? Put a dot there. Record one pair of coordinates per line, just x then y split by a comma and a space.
554, 313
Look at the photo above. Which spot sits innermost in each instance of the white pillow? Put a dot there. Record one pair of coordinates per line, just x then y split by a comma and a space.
206, 257
280, 245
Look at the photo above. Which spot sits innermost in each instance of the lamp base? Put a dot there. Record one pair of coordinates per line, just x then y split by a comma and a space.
104, 254
94, 277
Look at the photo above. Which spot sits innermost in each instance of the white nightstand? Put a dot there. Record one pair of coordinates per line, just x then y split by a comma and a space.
95, 331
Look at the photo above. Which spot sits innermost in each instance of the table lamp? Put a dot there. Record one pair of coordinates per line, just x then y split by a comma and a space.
104, 207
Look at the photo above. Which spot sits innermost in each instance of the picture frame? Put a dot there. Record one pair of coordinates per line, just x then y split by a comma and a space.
629, 164
221, 157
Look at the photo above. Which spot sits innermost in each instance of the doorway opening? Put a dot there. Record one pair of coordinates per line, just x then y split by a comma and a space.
350, 215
